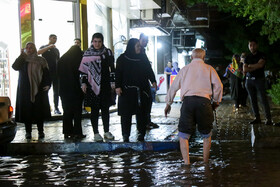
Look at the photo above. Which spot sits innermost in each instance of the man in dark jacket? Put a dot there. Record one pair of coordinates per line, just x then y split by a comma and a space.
255, 81
51, 54
143, 42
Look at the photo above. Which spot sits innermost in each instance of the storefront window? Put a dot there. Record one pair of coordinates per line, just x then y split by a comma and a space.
54, 17
99, 20
9, 47
120, 33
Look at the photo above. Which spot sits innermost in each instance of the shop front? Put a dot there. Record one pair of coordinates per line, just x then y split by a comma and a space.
9, 47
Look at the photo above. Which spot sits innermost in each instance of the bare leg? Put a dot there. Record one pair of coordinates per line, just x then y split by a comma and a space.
184, 146
206, 149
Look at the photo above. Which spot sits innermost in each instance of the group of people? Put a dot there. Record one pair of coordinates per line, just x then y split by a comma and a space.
88, 79
247, 77
171, 69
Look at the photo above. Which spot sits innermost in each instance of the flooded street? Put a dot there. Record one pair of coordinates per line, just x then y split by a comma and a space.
241, 155
231, 164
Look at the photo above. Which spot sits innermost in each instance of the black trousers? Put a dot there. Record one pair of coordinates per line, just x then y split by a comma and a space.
141, 122
72, 111
254, 87
55, 85
40, 126
105, 115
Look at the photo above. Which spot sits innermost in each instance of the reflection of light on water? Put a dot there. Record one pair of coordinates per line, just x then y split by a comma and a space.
237, 167
252, 136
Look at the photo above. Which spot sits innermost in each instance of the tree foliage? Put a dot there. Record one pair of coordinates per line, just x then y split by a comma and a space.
266, 11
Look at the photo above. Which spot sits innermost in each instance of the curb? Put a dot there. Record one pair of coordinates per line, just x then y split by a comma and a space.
86, 147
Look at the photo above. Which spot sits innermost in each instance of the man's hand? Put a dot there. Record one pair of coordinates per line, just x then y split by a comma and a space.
46, 88
118, 91
84, 88
215, 105
51, 46
167, 109
155, 85
113, 85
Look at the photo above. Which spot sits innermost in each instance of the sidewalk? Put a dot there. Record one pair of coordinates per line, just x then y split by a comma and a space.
230, 126
162, 138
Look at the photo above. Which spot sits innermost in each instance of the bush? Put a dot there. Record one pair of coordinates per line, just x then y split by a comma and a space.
274, 92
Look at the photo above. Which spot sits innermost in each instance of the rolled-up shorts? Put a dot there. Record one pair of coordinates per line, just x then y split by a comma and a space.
196, 110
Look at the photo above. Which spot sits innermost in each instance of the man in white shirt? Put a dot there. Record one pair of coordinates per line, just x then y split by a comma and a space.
199, 84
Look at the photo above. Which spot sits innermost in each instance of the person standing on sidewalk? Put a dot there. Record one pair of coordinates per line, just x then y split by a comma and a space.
51, 54
168, 72
236, 76
143, 39
70, 92
32, 102
133, 77
255, 81
98, 84
199, 84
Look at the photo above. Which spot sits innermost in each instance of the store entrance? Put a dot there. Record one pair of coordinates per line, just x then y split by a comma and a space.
54, 17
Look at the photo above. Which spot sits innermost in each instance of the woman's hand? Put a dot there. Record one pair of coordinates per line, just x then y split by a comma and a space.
23, 53
118, 91
84, 88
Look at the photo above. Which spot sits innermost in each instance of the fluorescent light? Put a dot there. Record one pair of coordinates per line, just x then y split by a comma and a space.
201, 18
151, 31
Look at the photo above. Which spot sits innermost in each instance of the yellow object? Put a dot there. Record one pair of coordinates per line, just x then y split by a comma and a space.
234, 64
88, 109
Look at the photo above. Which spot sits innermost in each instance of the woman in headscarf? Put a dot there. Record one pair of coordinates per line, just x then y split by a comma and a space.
133, 73
32, 102
235, 73
70, 92
98, 73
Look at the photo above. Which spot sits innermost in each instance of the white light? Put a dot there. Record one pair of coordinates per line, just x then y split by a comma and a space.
201, 18
199, 43
184, 52
159, 45
149, 31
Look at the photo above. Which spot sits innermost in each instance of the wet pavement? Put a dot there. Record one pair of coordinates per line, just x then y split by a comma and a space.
241, 155
229, 126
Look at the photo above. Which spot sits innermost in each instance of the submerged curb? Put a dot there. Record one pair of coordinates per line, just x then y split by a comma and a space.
87, 147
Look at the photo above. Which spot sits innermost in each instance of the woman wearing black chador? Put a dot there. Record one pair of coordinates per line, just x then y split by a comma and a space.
133, 73
70, 92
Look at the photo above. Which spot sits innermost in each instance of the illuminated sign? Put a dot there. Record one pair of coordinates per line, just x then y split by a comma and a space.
26, 22
25, 9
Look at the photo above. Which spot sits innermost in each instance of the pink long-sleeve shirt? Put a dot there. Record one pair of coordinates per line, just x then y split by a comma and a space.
196, 79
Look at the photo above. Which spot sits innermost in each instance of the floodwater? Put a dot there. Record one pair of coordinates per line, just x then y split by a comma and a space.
232, 163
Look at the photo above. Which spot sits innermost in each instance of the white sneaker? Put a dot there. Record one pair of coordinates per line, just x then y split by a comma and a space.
109, 136
98, 138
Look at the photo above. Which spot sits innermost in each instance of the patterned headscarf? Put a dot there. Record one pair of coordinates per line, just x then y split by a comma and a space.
91, 65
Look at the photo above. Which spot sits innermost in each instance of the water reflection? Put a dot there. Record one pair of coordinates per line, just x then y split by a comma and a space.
238, 166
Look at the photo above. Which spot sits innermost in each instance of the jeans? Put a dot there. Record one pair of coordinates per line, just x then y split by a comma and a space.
254, 87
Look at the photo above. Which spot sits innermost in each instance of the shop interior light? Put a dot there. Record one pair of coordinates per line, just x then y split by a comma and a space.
184, 52
159, 45
151, 31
